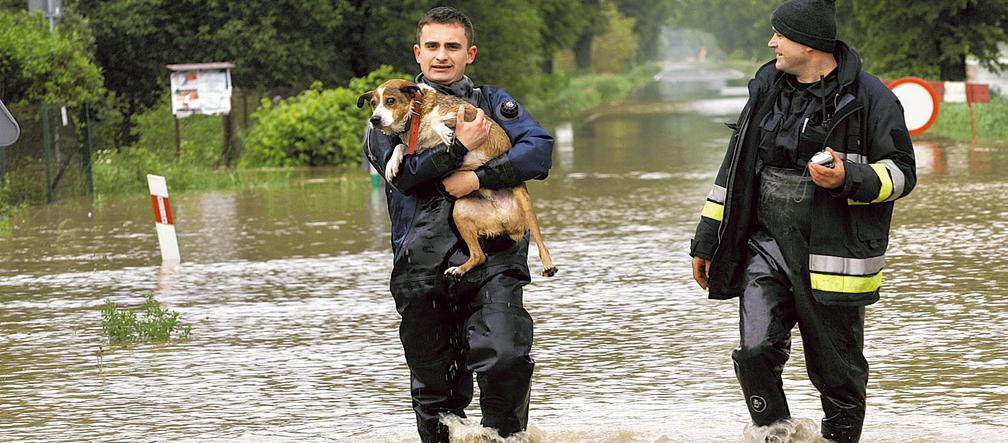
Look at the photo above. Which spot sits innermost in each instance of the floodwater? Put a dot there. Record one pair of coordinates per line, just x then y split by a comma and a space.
294, 333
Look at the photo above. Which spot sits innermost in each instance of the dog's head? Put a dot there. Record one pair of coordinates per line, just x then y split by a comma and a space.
391, 103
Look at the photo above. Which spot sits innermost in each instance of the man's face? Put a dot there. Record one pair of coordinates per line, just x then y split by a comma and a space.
443, 52
791, 55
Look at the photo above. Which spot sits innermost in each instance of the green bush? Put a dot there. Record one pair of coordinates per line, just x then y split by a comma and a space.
156, 323
317, 127
126, 169
564, 98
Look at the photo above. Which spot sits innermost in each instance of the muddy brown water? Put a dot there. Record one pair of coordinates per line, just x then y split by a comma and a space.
294, 333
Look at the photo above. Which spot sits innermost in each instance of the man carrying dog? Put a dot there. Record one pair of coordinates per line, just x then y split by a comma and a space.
804, 243
477, 324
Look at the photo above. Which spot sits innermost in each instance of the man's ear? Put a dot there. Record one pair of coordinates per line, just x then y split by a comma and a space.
363, 98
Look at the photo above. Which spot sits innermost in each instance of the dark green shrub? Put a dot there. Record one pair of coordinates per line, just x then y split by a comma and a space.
317, 127
156, 323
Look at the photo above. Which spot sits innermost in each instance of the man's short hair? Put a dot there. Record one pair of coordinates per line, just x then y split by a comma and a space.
447, 16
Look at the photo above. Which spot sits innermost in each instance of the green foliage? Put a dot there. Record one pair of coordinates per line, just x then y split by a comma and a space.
564, 98
41, 66
155, 324
126, 169
317, 127
954, 121
616, 49
930, 39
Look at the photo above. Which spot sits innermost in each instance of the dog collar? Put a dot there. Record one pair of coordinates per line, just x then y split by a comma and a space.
414, 131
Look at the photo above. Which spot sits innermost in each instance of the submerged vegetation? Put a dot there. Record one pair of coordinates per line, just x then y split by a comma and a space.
155, 323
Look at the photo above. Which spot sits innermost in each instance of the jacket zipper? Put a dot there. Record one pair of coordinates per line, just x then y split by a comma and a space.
736, 152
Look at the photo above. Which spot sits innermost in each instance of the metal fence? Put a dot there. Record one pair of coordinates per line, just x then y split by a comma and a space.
51, 160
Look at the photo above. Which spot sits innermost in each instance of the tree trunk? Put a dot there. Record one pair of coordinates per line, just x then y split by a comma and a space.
954, 70
582, 51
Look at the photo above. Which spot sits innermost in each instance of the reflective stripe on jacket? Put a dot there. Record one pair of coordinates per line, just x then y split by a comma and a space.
849, 237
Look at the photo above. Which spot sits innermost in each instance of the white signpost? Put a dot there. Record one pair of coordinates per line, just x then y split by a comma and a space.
202, 88
163, 220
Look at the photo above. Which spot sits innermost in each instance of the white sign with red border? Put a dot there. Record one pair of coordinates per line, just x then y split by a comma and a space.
920, 103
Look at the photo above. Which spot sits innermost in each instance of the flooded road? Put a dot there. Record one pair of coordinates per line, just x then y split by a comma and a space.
294, 334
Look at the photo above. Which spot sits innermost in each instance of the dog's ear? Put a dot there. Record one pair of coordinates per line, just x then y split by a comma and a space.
365, 97
410, 90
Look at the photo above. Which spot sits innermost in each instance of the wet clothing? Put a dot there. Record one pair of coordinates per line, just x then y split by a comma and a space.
450, 330
864, 125
799, 254
776, 298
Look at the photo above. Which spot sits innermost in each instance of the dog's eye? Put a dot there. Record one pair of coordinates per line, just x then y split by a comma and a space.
389, 101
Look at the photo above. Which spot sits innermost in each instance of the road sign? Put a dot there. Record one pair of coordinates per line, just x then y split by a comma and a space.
920, 103
9, 129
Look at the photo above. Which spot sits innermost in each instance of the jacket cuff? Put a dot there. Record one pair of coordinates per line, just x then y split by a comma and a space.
697, 250
852, 181
447, 160
497, 173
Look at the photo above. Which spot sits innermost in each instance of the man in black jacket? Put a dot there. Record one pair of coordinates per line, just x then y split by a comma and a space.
804, 243
452, 329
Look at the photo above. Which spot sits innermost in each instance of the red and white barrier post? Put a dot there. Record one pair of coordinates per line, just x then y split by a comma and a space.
163, 218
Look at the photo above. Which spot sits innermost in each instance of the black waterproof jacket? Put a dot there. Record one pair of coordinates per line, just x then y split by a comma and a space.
424, 238
849, 237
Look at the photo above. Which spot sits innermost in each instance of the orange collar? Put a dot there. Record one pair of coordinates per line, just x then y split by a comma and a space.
414, 131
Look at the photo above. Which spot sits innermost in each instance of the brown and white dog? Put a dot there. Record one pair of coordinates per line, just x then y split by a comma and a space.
401, 107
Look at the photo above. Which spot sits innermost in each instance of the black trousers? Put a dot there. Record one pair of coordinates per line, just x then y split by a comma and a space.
477, 325
778, 296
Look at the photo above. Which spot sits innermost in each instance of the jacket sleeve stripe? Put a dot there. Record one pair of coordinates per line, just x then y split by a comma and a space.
713, 210
898, 180
886, 188
830, 264
846, 283
717, 194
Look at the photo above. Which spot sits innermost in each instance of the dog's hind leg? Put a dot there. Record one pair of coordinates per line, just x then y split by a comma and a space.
525, 205
469, 232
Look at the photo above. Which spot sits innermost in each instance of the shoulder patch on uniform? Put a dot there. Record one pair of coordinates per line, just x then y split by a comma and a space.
508, 109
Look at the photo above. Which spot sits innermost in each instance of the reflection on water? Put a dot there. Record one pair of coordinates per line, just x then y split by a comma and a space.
294, 334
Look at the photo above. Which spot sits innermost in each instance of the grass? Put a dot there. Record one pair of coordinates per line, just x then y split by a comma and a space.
155, 324
953, 121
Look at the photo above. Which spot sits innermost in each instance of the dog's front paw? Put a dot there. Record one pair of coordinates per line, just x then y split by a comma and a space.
549, 272
392, 167
454, 273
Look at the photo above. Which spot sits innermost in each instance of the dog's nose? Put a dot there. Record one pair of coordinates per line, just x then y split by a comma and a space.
375, 120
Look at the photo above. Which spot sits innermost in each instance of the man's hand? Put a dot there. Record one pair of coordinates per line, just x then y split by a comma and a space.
701, 271
461, 183
829, 178
474, 133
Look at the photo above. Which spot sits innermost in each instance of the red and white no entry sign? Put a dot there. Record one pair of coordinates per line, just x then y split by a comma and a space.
920, 103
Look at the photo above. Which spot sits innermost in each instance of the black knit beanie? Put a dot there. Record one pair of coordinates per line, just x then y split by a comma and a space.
809, 22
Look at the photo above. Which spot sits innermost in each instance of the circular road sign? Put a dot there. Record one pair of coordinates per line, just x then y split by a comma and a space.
920, 103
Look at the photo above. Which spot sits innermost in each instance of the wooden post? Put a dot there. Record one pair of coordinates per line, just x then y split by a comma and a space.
178, 140
227, 141
47, 148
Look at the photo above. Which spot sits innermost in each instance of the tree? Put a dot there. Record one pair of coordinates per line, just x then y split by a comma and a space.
650, 16
931, 39
37, 65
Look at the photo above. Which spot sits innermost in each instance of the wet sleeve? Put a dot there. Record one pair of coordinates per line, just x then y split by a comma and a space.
890, 173
417, 169
531, 153
705, 241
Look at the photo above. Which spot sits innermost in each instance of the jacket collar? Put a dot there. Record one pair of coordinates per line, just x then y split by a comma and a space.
462, 88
